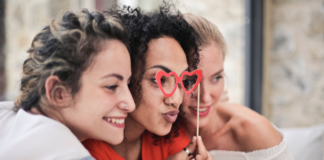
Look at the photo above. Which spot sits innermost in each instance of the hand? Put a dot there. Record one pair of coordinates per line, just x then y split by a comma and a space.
202, 152
182, 154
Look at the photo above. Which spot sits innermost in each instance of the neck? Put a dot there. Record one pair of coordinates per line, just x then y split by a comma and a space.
133, 130
208, 131
130, 148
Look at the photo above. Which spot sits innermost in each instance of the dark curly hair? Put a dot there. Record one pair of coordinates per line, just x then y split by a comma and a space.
65, 48
143, 27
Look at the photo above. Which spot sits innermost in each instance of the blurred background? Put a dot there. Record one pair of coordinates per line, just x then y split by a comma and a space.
275, 60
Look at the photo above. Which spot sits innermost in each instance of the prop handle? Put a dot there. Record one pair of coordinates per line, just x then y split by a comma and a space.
198, 102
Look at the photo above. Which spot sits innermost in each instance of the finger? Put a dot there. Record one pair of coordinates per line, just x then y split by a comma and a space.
202, 152
189, 157
201, 146
192, 145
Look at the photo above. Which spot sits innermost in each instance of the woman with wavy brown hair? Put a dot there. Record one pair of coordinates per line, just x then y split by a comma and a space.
74, 87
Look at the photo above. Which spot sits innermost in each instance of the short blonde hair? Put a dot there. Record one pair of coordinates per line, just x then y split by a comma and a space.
206, 30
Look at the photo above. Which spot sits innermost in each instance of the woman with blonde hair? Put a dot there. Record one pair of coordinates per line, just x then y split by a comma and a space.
233, 130
74, 87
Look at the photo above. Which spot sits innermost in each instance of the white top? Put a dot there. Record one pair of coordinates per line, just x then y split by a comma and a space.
278, 152
27, 136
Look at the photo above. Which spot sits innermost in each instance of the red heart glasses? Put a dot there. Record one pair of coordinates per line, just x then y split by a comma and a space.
168, 81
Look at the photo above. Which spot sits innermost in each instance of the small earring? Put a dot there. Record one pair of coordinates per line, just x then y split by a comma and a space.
125, 105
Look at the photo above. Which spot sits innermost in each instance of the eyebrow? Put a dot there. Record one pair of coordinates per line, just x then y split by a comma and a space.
118, 76
218, 72
165, 69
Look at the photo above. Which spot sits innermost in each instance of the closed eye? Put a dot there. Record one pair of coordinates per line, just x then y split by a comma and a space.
112, 87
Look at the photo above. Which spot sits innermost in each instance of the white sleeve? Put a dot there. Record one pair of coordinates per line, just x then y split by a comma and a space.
278, 152
27, 136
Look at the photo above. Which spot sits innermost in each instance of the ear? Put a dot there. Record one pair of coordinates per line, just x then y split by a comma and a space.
56, 93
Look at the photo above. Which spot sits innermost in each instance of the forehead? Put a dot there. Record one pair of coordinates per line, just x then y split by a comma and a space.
166, 51
211, 56
113, 57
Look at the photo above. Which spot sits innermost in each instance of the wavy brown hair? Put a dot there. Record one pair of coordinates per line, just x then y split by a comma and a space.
65, 49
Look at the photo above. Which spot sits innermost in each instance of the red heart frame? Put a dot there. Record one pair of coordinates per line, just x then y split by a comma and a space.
159, 74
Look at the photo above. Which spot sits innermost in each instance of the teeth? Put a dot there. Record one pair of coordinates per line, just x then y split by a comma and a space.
114, 120
200, 109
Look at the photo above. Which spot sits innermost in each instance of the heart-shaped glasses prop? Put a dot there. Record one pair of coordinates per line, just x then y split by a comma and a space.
189, 81
168, 81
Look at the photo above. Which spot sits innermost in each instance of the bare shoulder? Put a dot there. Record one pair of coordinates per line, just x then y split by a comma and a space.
250, 130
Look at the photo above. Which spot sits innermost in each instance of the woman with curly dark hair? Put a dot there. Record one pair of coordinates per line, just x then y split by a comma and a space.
74, 87
159, 41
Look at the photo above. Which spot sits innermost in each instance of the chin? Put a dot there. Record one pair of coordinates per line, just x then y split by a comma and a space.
162, 132
203, 122
115, 141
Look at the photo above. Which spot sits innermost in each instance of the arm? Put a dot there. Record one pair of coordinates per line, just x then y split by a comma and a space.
250, 130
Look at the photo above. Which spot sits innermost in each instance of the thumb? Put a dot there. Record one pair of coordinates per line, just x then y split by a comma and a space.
192, 145
201, 146
202, 152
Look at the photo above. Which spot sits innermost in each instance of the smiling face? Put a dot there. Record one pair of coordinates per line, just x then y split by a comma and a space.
211, 86
154, 111
98, 109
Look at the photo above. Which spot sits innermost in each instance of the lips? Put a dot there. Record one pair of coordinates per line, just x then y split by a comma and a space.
118, 122
171, 116
203, 110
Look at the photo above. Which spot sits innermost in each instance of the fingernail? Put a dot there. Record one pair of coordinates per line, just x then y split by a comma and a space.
193, 139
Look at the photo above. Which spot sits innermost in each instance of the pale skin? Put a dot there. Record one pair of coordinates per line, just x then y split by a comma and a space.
102, 95
163, 53
226, 126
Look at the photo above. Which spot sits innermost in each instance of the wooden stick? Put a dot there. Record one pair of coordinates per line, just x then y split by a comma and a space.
198, 102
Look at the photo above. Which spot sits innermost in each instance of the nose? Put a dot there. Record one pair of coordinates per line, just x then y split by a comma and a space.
127, 102
176, 98
204, 93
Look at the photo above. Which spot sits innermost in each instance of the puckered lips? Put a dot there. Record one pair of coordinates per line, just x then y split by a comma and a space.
118, 122
171, 115
203, 110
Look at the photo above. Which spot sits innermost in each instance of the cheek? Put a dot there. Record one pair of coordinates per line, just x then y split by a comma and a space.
148, 105
217, 90
101, 103
151, 95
